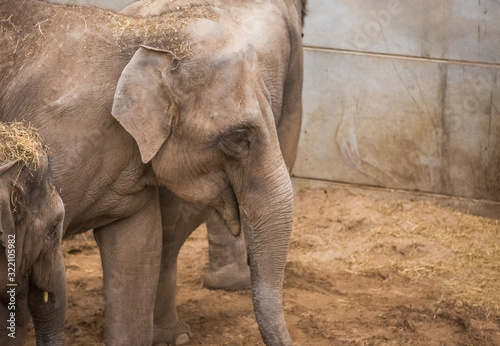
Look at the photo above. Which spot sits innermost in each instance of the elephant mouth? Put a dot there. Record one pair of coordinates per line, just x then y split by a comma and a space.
229, 211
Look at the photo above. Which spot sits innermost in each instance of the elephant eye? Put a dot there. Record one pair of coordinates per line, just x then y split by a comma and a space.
240, 136
235, 142
52, 231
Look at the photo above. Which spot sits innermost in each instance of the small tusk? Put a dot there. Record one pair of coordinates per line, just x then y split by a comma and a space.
45, 296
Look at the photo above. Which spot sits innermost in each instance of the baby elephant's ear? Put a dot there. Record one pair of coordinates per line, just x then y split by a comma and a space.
143, 103
8, 175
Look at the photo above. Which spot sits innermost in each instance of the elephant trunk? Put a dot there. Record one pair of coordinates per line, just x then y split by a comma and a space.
267, 224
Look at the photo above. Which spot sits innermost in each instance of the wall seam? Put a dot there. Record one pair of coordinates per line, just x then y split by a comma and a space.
402, 57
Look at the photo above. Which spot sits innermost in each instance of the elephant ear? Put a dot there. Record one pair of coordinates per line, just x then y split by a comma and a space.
8, 175
144, 103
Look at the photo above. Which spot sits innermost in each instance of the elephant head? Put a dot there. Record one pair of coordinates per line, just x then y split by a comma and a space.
205, 123
31, 228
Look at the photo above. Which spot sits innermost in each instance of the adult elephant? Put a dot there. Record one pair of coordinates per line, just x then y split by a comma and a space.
274, 28
126, 105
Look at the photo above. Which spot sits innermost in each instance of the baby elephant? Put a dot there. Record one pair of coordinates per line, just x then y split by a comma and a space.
32, 273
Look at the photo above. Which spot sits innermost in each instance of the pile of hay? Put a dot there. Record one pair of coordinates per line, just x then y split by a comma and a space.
20, 141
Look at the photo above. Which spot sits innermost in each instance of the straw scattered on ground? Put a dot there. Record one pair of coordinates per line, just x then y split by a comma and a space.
414, 240
362, 270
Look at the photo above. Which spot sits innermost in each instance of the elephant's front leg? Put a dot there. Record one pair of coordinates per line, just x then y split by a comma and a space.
178, 222
228, 267
130, 253
14, 325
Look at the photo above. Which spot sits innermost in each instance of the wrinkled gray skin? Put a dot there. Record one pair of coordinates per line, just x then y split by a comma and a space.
31, 226
274, 28
121, 120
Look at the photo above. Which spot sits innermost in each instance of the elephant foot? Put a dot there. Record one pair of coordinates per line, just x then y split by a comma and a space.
172, 336
230, 277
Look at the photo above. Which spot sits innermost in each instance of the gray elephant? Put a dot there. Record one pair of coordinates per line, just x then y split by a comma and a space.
274, 28
127, 105
32, 276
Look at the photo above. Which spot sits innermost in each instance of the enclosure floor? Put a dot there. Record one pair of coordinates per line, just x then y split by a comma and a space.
361, 271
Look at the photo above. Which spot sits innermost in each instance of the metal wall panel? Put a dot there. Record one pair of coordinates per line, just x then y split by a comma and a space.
403, 94
401, 123
445, 29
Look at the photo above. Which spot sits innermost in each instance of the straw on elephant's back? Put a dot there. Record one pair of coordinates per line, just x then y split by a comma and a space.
20, 141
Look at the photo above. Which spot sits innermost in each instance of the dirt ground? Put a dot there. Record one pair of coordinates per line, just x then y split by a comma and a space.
361, 270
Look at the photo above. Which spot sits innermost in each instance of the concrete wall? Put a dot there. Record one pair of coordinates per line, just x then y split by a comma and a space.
403, 94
